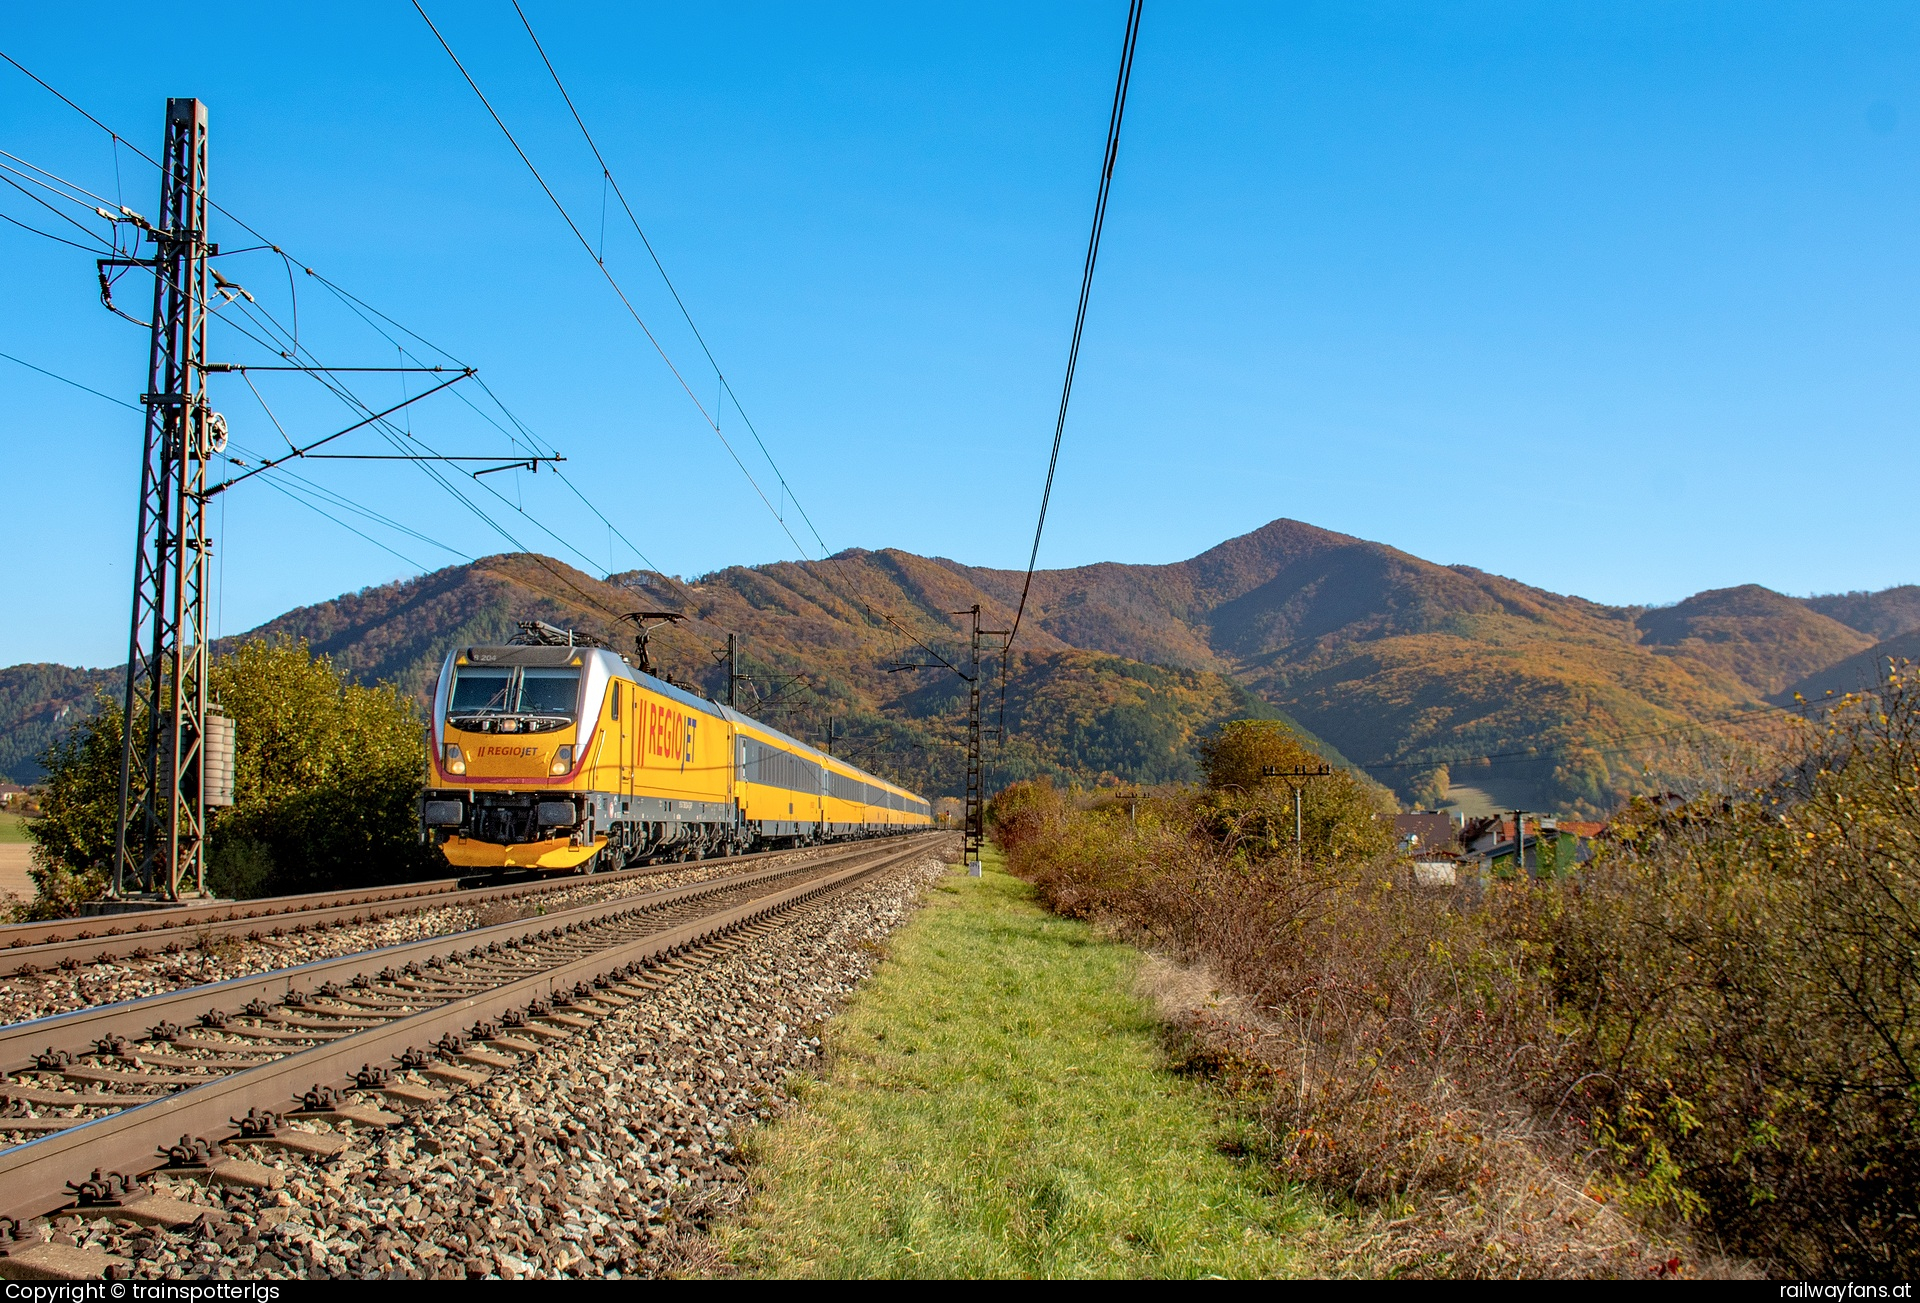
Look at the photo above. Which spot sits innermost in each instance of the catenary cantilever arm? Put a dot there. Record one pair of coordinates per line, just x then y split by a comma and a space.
224, 485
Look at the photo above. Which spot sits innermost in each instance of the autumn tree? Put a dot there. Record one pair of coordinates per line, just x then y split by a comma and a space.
326, 777
1251, 768
79, 804
1236, 756
1431, 788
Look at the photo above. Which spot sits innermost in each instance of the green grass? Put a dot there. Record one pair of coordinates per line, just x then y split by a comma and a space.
997, 1105
12, 827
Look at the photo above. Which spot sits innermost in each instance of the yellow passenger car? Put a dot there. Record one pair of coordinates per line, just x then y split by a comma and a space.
567, 759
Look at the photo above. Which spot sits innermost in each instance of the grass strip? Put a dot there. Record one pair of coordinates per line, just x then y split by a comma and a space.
996, 1105
13, 828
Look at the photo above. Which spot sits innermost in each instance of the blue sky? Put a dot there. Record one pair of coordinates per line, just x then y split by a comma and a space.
1620, 300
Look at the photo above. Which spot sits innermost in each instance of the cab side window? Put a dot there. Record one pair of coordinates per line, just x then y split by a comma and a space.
616, 699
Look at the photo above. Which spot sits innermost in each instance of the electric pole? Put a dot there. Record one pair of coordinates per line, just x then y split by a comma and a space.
160, 832
733, 675
177, 749
976, 808
974, 835
1299, 776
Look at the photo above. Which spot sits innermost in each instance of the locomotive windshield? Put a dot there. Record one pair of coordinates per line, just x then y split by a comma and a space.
549, 692
499, 690
476, 690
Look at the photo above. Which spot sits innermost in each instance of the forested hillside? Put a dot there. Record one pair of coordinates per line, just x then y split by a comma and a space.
1885, 614
1855, 672
1421, 673
817, 647
1754, 634
37, 702
1430, 674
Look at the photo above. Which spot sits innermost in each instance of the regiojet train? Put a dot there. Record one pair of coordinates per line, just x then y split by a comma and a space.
565, 759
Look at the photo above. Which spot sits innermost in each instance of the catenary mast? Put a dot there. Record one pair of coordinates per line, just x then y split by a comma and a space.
160, 834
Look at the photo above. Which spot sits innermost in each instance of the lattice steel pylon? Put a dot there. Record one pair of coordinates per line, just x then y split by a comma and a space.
160, 835
975, 835
976, 808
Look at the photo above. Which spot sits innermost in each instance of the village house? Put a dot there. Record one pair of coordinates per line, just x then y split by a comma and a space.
1423, 833
1547, 848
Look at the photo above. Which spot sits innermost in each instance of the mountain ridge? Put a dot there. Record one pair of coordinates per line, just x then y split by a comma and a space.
1423, 674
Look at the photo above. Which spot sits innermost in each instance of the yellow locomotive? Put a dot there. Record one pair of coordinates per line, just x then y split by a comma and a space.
568, 759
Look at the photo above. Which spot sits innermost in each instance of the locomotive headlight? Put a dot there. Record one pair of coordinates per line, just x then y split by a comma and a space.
454, 761
562, 760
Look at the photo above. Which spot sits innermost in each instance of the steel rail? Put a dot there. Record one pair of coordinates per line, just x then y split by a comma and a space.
28, 948
133, 1018
36, 1175
15, 935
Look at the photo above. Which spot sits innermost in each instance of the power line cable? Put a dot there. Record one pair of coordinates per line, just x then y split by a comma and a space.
118, 139
337, 498
587, 245
1114, 118
344, 392
276, 480
354, 403
1086, 289
606, 173
362, 308
48, 235
316, 489
75, 383
400, 439
291, 349
287, 492
89, 200
110, 248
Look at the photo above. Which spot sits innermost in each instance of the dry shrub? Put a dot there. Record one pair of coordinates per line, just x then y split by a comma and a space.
1742, 973
1390, 1057
1706, 1036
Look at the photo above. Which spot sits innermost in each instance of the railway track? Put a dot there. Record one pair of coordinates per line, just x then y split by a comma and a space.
30, 948
96, 1098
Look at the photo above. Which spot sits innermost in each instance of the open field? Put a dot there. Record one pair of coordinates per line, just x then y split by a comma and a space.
996, 1104
14, 846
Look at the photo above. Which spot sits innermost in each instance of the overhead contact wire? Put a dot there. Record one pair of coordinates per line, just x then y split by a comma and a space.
361, 307
612, 181
346, 395
614, 284
51, 375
